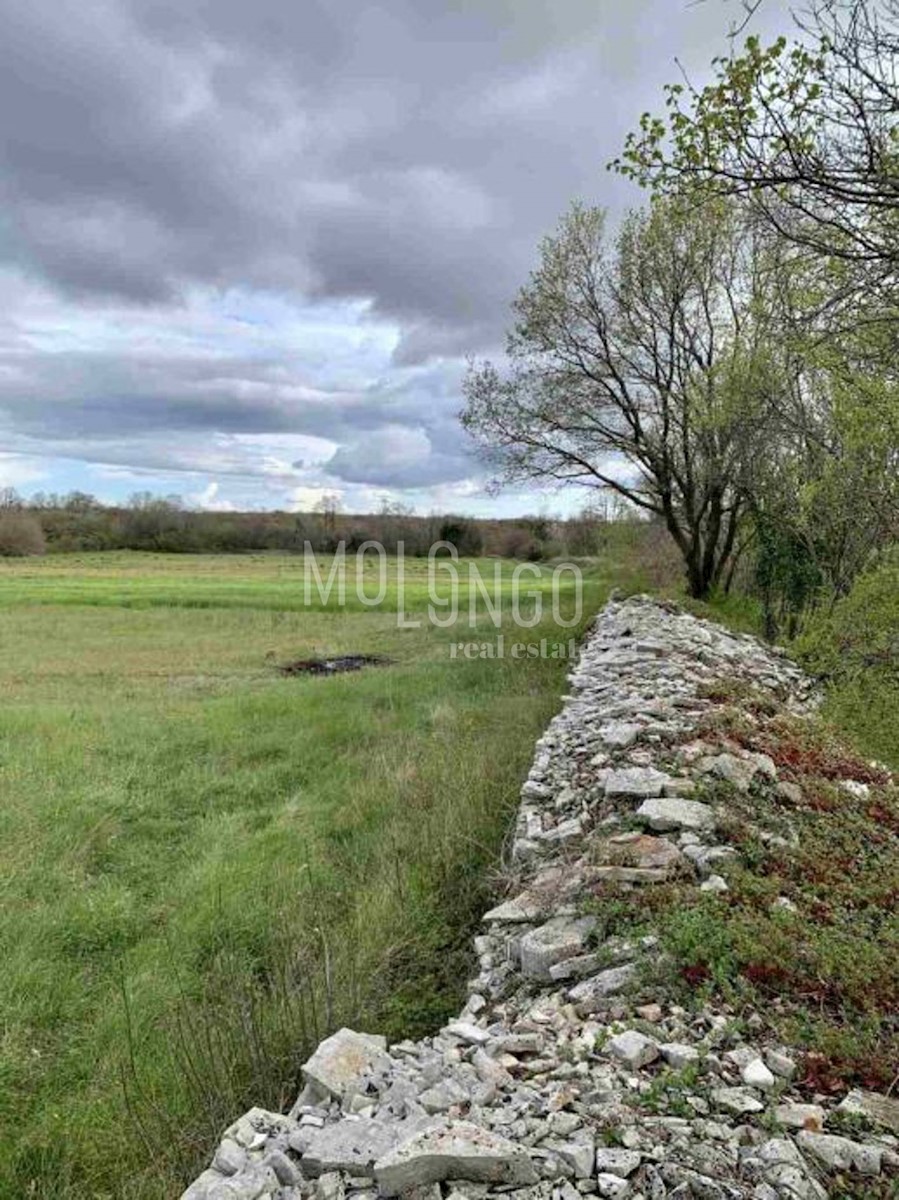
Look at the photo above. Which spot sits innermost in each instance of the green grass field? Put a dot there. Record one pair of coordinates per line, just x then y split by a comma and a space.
205, 866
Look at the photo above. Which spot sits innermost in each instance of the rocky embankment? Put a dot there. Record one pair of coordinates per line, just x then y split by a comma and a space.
544, 1087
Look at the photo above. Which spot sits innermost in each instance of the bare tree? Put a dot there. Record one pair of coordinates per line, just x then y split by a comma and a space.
639, 367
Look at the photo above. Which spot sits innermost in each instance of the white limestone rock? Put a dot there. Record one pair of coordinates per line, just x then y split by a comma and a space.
715, 884
353, 1145
678, 1055
780, 1063
558, 939
841, 1154
800, 1116
633, 1048
256, 1182
523, 908
592, 993
880, 1110
445, 1094
229, 1158
613, 1161
635, 783
640, 850
467, 1031
755, 1074
620, 734
579, 1154
860, 791
453, 1150
345, 1061
781, 1166
612, 1186
739, 1101
665, 813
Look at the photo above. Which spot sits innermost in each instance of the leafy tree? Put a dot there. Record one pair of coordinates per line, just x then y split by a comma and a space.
808, 129
826, 499
806, 135
640, 367
464, 535
157, 523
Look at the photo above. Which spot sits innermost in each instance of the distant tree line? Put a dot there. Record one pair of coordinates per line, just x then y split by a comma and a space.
51, 523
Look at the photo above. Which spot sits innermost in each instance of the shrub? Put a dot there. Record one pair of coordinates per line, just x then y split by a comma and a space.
861, 632
356, 538
21, 535
518, 542
787, 575
464, 535
855, 646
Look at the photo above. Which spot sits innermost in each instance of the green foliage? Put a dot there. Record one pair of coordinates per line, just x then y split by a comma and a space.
786, 573
670, 1090
702, 131
80, 523
696, 937
831, 958
802, 136
464, 535
860, 633
823, 968
805, 129
865, 708
855, 647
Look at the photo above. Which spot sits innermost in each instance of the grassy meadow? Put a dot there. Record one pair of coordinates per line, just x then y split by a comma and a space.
205, 866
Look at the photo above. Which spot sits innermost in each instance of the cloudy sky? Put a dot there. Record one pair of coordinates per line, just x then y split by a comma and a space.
246, 246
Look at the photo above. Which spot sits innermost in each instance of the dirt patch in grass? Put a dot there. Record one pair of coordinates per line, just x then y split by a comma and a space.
338, 665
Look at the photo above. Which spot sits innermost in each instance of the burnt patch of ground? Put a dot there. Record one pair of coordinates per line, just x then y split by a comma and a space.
337, 665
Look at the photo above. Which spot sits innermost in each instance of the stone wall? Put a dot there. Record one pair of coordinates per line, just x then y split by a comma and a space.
529, 1094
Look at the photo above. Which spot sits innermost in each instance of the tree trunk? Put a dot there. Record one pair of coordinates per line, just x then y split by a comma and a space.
699, 587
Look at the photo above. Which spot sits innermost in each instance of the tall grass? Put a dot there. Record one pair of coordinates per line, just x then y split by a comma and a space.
205, 867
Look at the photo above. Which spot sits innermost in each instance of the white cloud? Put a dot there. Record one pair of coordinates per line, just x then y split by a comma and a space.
209, 500
16, 470
307, 499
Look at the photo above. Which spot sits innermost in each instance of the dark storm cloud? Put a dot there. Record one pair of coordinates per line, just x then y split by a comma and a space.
99, 395
409, 152
400, 432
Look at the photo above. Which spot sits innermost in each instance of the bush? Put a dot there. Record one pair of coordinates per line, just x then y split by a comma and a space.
518, 542
21, 535
860, 633
464, 535
855, 647
787, 575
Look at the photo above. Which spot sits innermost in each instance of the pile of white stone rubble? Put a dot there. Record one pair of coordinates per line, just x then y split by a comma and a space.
535, 1092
